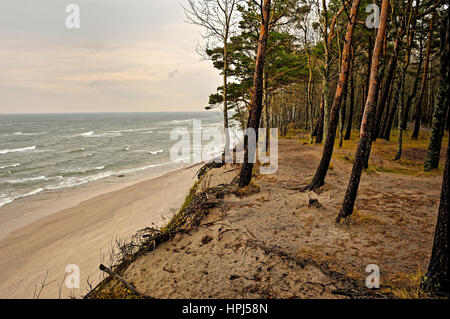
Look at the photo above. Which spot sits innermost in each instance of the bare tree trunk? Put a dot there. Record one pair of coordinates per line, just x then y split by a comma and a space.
319, 135
386, 115
309, 104
367, 122
325, 79
267, 109
437, 278
442, 106
414, 90
348, 132
390, 73
418, 114
225, 97
257, 94
319, 178
411, 33
390, 122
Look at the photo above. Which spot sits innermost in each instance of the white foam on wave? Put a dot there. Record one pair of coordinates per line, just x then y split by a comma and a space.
9, 166
77, 181
28, 134
83, 170
106, 134
33, 179
183, 121
87, 134
18, 150
6, 199
149, 152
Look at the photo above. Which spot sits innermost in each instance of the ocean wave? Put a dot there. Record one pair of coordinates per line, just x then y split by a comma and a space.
143, 168
77, 180
106, 134
182, 121
6, 199
8, 166
83, 170
123, 131
18, 150
33, 179
177, 122
76, 150
87, 155
149, 152
28, 134
86, 134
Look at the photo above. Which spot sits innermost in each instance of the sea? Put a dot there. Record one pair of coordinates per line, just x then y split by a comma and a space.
51, 152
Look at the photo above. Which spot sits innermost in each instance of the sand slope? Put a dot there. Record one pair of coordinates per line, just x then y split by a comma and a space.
273, 244
83, 235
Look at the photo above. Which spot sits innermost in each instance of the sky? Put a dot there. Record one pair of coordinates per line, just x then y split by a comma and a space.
127, 56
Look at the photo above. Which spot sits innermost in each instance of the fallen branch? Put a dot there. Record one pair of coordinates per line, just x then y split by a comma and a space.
123, 281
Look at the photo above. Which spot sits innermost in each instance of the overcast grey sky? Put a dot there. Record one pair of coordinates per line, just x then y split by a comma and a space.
127, 56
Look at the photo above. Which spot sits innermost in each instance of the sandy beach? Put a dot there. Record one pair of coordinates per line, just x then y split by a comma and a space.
80, 231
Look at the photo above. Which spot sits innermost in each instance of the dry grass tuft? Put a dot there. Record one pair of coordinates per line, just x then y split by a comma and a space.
252, 188
406, 286
357, 217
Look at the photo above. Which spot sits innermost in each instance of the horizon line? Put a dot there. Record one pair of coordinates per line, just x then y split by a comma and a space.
46, 113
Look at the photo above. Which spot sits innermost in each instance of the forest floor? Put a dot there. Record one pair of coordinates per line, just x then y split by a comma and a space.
272, 243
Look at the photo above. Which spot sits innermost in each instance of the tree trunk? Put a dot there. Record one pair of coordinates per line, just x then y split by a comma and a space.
342, 117
367, 122
325, 79
225, 99
257, 94
319, 135
418, 114
319, 178
442, 105
437, 278
348, 132
414, 90
386, 115
412, 31
267, 109
309, 104
390, 122
390, 73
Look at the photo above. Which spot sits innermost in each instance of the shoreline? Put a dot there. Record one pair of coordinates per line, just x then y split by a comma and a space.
83, 228
24, 211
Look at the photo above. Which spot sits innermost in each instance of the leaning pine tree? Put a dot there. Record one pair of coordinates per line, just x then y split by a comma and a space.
256, 103
367, 120
319, 178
